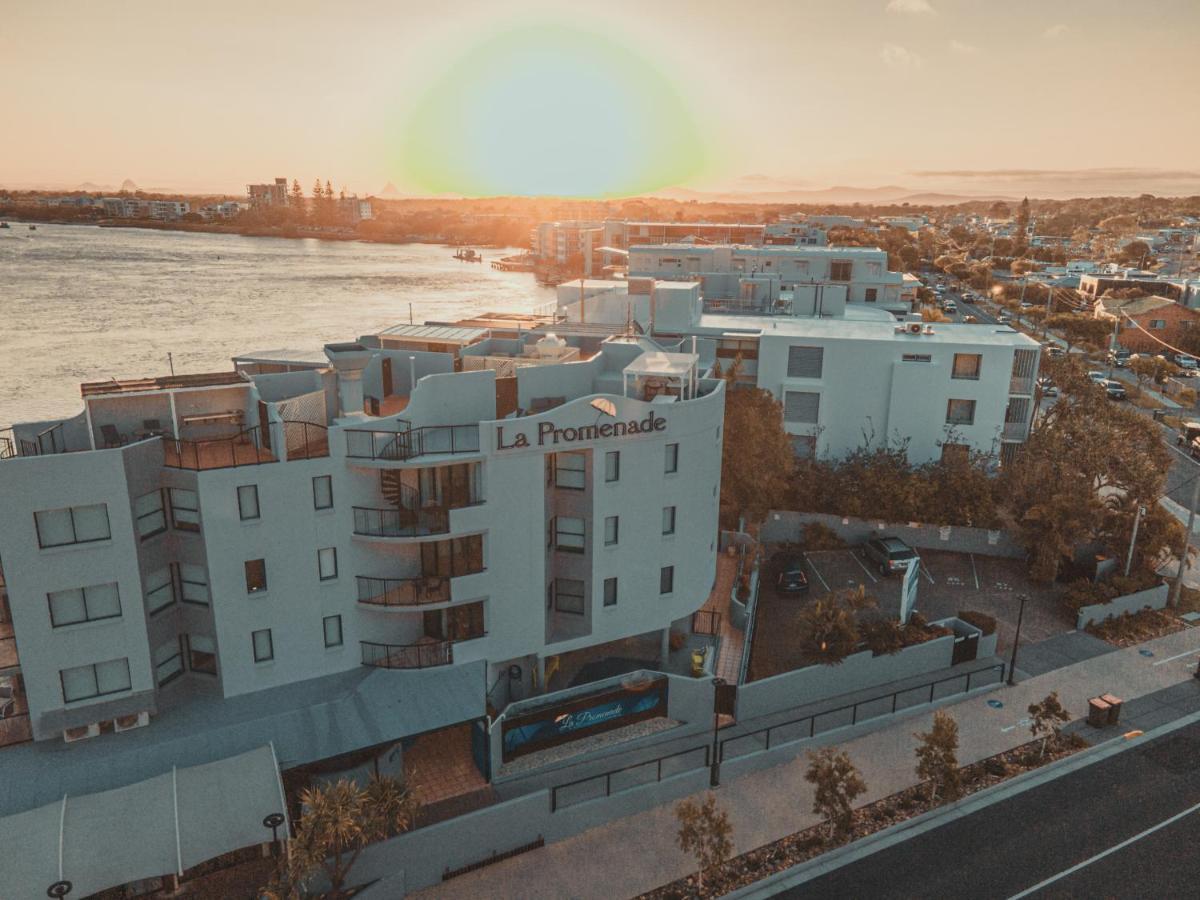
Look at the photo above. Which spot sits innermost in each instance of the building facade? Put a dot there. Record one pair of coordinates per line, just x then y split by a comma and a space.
267, 195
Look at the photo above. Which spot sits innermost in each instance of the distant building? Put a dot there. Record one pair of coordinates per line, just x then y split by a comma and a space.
227, 210
168, 209
798, 234
1147, 323
1093, 286
265, 195
355, 210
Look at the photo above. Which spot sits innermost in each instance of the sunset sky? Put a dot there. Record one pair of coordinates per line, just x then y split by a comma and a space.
605, 98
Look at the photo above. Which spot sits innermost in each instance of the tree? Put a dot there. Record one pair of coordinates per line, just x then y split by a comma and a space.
1076, 329
1021, 235
1045, 719
1150, 369
1135, 253
937, 757
932, 314
827, 631
704, 832
757, 457
837, 783
297, 200
339, 820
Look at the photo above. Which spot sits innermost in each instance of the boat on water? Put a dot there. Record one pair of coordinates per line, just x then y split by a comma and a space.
3, 224
467, 255
33, 228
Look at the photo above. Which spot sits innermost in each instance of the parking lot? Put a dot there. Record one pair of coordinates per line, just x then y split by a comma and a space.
949, 583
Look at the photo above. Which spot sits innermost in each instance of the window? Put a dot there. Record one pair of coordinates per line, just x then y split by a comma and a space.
162, 594
666, 579
916, 357
465, 622
960, 412
86, 604
193, 584
185, 509
570, 471
612, 527
568, 595
840, 270
256, 575
264, 648
323, 492
967, 365
569, 534
612, 465
668, 520
870, 294
671, 464
95, 680
333, 630
202, 654
168, 661
1158, 324
149, 514
610, 592
805, 362
247, 496
803, 407
72, 525
327, 563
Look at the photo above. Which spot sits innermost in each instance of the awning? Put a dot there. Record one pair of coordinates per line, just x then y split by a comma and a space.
159, 826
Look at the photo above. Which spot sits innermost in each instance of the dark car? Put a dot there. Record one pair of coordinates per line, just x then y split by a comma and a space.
1114, 389
890, 553
791, 578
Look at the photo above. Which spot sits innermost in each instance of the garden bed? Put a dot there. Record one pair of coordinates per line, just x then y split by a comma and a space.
1137, 628
744, 870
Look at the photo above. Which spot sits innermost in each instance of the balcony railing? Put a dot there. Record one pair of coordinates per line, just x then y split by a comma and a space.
1020, 385
407, 656
401, 522
51, 440
305, 440
403, 591
1014, 431
411, 443
243, 449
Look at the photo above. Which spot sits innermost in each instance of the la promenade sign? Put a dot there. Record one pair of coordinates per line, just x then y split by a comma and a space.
518, 437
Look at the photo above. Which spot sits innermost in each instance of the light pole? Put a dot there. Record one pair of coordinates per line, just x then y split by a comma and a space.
1137, 518
1012, 665
273, 821
714, 774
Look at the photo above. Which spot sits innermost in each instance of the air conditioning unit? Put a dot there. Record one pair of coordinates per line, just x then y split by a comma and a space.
81, 732
135, 720
914, 327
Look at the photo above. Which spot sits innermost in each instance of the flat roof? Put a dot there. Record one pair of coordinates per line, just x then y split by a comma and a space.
283, 356
659, 362
165, 383
862, 330
446, 334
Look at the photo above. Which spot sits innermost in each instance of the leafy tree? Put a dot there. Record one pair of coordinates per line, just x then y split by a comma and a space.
1076, 329
826, 631
932, 314
999, 210
1021, 236
705, 833
1135, 253
297, 198
757, 458
1150, 369
937, 757
1046, 718
837, 783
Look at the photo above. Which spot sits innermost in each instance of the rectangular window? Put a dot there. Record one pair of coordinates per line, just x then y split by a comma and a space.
1158, 324
671, 463
840, 270
333, 630
185, 509
95, 680
666, 579
193, 584
610, 592
570, 471
86, 604
149, 514
72, 525
202, 654
160, 591
168, 661
323, 492
803, 407
327, 563
960, 412
967, 365
264, 647
668, 520
805, 362
917, 357
568, 596
612, 465
569, 534
247, 495
611, 530
870, 294
256, 575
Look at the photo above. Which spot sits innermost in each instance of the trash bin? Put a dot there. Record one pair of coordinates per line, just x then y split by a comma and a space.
1098, 712
1114, 708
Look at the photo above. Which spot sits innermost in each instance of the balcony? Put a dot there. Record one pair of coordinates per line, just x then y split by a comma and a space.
246, 448
1020, 385
412, 442
1014, 431
401, 523
422, 655
403, 592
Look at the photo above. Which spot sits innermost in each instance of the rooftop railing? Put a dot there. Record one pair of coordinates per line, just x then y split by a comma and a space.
243, 449
403, 591
411, 443
407, 656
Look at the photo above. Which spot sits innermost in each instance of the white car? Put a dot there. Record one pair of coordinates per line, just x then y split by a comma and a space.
1097, 377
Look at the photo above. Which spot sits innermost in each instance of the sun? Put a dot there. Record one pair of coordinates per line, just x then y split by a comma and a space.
549, 110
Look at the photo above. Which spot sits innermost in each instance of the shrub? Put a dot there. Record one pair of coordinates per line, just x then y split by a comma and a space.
821, 537
826, 632
883, 636
982, 621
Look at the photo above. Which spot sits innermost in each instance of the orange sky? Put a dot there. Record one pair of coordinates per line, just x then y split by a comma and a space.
922, 93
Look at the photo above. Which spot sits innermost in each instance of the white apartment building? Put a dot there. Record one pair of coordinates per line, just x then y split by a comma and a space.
443, 498
801, 234
263, 195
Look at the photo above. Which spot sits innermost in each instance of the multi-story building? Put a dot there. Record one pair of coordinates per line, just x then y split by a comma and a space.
1148, 324
264, 195
169, 209
798, 233
444, 498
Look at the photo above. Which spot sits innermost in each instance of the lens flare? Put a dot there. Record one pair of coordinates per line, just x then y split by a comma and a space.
549, 110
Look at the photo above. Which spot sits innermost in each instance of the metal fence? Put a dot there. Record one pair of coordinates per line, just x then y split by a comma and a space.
627, 777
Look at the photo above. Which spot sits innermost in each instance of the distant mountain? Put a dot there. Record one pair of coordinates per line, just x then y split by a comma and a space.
91, 188
389, 192
840, 194
129, 185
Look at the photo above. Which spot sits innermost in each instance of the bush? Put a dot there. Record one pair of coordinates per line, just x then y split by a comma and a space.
982, 621
821, 537
882, 636
1082, 592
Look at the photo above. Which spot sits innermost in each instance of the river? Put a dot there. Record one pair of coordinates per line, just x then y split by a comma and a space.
81, 303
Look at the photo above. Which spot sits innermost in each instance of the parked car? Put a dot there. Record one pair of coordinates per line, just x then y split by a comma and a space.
1004, 318
890, 553
1049, 388
792, 578
1188, 432
1055, 352
1119, 358
1114, 389
950, 306
1096, 377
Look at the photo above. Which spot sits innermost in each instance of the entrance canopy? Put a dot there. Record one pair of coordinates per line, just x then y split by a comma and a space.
159, 826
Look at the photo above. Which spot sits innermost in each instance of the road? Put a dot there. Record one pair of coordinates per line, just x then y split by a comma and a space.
1125, 827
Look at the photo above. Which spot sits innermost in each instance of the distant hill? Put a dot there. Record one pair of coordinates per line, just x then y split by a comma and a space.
129, 185
389, 192
840, 194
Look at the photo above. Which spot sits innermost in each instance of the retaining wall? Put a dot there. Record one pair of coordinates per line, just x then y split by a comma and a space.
789, 526
1151, 598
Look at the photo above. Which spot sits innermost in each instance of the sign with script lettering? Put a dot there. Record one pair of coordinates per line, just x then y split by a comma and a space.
549, 434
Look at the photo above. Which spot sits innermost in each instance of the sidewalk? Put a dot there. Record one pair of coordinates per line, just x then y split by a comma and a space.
629, 856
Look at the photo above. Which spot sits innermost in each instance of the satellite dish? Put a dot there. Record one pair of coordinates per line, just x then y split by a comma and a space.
606, 407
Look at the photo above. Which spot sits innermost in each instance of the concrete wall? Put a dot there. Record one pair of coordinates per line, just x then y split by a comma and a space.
789, 526
1151, 598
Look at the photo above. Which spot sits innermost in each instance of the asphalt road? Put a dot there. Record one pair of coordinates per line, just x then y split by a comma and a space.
1125, 827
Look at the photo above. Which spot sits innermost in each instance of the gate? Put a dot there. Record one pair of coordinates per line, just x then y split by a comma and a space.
966, 648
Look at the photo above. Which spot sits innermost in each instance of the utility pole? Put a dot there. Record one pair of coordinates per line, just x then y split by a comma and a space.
1187, 540
1012, 665
171, 363
1137, 519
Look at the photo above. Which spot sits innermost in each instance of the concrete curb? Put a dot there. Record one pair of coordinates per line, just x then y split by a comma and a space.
881, 840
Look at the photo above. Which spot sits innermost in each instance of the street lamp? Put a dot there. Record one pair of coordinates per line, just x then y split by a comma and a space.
1012, 665
273, 821
714, 774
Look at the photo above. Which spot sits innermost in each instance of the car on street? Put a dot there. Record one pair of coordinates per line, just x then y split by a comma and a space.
1188, 432
1055, 352
1048, 387
1119, 358
1004, 318
950, 306
891, 554
1114, 389
1096, 377
792, 578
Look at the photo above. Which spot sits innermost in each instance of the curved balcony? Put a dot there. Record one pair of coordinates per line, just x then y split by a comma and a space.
399, 446
407, 656
403, 592
401, 523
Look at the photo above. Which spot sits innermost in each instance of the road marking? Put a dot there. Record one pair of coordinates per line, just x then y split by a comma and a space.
816, 571
973, 572
864, 568
1177, 656
1101, 855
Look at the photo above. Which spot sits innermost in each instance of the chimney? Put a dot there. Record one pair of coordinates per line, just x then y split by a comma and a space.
348, 361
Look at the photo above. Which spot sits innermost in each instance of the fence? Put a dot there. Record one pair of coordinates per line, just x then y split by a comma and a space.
706, 621
783, 526
580, 787
1152, 598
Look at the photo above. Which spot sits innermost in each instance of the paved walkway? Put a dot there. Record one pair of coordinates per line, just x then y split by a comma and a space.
729, 651
631, 855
